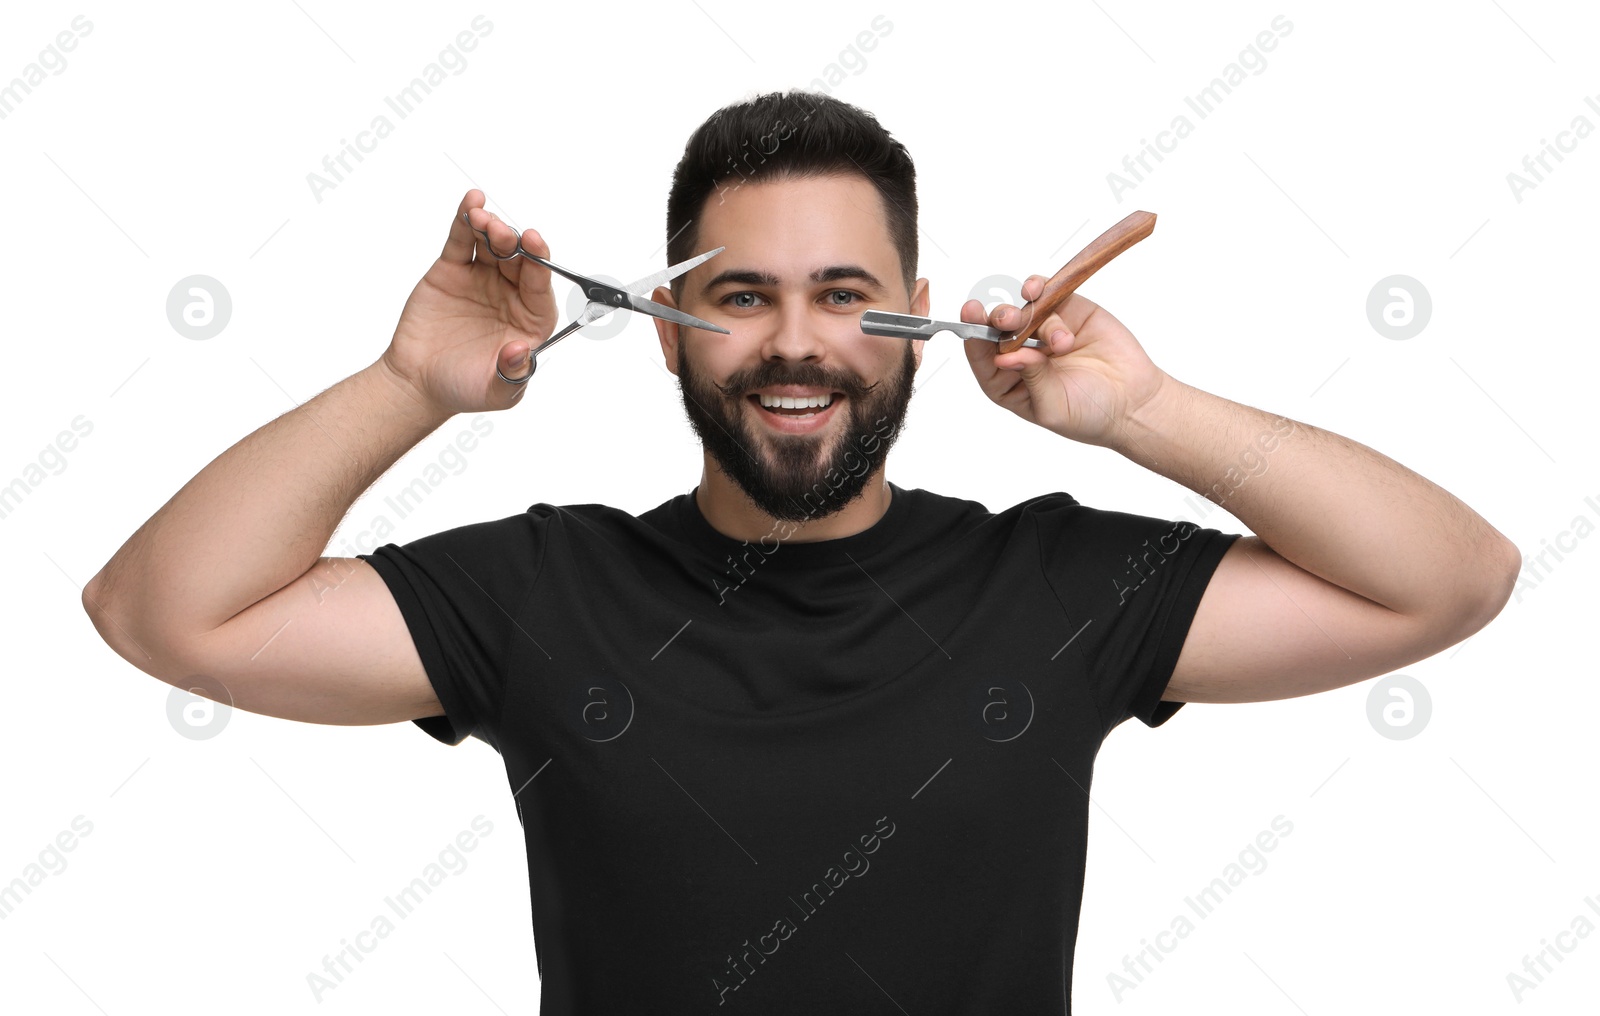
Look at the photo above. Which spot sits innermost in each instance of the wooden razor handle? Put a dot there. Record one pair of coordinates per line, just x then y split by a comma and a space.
1076, 272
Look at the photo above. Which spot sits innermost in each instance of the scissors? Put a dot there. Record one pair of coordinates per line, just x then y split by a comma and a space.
603, 298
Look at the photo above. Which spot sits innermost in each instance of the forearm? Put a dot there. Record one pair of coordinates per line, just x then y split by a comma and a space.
259, 515
1332, 506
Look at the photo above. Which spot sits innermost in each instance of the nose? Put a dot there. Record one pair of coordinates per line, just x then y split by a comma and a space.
798, 333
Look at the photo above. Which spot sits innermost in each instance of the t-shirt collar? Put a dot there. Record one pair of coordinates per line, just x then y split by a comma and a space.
779, 551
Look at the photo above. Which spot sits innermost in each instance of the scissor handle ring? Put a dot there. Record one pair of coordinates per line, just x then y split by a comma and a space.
488, 245
533, 365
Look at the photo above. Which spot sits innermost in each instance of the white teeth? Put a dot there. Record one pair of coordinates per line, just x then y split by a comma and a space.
785, 402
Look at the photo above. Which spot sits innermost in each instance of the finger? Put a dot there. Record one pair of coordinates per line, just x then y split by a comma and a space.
458, 245
977, 352
1019, 360
480, 220
533, 283
1057, 340
502, 240
1075, 311
980, 354
1008, 318
1005, 317
1056, 336
513, 362
972, 312
502, 248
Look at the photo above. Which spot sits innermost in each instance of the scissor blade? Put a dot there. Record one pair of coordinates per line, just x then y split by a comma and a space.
909, 326
666, 313
666, 275
594, 310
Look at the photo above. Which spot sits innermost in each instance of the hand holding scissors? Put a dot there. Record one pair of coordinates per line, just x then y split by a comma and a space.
604, 298
477, 306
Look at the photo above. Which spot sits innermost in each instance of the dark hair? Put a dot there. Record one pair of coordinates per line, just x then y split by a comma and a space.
798, 133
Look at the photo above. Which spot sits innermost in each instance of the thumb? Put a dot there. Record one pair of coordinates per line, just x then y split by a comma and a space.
514, 362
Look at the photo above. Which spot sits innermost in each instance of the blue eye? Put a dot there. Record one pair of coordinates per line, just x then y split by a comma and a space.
736, 296
853, 297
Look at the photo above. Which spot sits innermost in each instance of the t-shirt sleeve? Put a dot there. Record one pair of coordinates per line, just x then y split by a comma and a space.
1130, 586
461, 593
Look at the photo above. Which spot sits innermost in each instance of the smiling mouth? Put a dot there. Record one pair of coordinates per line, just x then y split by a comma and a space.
798, 412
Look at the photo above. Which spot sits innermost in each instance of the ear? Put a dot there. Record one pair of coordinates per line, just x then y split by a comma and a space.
919, 299
667, 331
919, 306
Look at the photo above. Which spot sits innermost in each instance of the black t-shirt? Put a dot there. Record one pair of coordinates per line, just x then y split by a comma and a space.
848, 775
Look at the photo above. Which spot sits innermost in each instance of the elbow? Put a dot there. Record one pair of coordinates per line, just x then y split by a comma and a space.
112, 622
91, 591
103, 610
1463, 602
93, 598
1504, 577
96, 604
1493, 589
125, 623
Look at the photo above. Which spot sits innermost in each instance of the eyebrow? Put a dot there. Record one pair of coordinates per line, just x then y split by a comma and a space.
832, 273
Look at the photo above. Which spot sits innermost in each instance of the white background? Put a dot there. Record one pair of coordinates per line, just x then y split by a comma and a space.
1376, 141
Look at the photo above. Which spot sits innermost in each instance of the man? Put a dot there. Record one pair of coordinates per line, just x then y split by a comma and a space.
799, 739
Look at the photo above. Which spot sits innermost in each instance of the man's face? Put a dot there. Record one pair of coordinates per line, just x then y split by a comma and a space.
804, 258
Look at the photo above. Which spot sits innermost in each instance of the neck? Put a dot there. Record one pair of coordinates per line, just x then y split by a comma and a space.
730, 513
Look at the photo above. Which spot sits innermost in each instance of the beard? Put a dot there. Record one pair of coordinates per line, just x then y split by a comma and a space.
796, 477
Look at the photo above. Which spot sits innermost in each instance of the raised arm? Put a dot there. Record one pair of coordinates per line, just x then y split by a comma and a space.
1360, 565
226, 581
